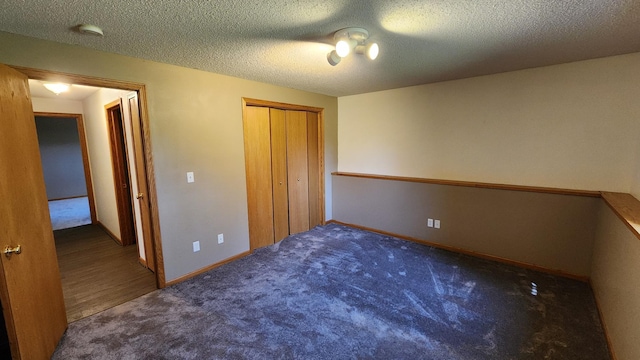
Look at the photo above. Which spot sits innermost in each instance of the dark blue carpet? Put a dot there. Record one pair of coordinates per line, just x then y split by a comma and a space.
340, 293
68, 213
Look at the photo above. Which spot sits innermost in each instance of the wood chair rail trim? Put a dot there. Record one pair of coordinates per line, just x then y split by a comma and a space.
547, 190
626, 207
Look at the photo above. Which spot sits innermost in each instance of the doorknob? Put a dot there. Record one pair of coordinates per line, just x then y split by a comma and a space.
140, 196
9, 250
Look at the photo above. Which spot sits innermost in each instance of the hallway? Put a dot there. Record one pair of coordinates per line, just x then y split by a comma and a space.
97, 273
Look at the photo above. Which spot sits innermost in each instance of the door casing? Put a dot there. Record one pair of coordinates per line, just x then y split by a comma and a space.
145, 138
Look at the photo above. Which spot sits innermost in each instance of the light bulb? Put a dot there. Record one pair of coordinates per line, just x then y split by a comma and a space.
343, 48
57, 88
333, 58
372, 51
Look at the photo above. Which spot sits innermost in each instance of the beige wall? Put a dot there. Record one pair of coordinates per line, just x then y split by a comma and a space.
550, 231
56, 106
196, 125
635, 186
571, 126
616, 283
99, 149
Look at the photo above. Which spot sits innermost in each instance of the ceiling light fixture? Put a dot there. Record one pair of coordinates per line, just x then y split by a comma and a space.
88, 29
352, 40
57, 88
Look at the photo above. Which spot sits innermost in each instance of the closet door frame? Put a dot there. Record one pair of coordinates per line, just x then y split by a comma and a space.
320, 112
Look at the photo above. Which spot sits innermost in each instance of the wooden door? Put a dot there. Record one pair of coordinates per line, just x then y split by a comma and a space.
120, 173
30, 288
141, 178
297, 169
257, 150
313, 161
279, 174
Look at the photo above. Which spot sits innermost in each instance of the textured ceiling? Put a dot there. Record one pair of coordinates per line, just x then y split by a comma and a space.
286, 42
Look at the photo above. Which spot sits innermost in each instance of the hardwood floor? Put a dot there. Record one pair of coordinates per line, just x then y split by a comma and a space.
97, 273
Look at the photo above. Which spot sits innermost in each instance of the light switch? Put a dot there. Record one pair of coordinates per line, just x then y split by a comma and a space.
436, 224
190, 177
196, 246
430, 222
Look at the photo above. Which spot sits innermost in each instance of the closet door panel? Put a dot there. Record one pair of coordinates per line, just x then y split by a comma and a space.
279, 173
257, 149
297, 171
315, 217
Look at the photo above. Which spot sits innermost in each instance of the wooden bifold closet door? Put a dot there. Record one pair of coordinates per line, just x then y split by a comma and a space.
297, 171
283, 173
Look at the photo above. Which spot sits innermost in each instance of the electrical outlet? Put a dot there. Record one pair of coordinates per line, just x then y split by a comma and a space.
190, 177
220, 238
436, 224
430, 222
196, 246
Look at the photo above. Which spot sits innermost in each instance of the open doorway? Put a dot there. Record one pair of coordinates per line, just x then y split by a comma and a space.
109, 261
65, 164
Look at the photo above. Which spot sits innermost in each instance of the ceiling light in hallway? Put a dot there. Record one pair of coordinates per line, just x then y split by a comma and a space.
57, 88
